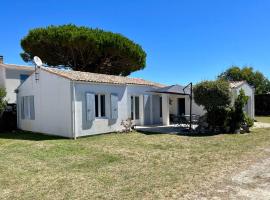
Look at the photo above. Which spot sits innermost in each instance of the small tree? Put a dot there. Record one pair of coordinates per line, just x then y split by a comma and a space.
3, 102
237, 114
215, 97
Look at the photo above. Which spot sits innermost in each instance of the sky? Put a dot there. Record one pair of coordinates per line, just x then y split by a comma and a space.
185, 40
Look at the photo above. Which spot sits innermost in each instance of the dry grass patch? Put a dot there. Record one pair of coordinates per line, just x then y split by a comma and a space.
120, 166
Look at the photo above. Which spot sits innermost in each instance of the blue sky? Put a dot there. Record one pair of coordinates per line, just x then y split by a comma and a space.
185, 40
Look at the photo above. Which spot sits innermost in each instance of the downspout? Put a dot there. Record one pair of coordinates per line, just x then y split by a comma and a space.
73, 111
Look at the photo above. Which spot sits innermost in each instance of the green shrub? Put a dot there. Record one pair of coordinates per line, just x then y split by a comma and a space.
215, 97
3, 102
237, 115
248, 121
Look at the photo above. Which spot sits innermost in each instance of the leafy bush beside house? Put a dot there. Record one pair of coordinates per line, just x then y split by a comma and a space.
3, 102
237, 115
215, 97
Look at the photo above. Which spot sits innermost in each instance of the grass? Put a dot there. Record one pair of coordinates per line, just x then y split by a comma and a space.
121, 166
265, 119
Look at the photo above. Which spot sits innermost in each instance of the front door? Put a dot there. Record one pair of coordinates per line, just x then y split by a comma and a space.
181, 106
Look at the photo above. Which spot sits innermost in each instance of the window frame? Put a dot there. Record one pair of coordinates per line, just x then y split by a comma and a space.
98, 113
26, 108
133, 108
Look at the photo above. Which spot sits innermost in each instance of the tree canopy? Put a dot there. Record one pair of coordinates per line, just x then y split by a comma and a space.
254, 78
212, 94
84, 49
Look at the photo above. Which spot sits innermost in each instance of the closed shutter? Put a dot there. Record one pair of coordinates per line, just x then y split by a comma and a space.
90, 106
26, 107
32, 107
114, 106
22, 108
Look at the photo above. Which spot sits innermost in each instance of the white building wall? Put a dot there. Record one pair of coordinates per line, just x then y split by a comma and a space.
11, 79
2, 77
99, 125
139, 90
249, 91
52, 100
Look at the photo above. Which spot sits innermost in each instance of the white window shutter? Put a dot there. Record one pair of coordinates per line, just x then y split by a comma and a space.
114, 106
32, 107
22, 108
90, 106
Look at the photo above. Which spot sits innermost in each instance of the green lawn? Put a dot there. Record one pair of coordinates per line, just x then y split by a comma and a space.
121, 166
265, 119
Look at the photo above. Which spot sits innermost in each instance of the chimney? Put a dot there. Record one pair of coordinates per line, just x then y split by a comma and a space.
1, 59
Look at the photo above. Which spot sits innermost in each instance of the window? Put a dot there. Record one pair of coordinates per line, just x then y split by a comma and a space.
160, 106
27, 107
100, 103
135, 107
23, 77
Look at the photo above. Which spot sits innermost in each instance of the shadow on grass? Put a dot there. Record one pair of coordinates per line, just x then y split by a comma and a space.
25, 135
183, 132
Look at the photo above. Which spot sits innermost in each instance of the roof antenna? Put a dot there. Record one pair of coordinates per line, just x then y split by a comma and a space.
38, 64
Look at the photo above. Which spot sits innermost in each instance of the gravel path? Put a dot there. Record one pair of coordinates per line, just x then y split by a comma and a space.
252, 183
261, 125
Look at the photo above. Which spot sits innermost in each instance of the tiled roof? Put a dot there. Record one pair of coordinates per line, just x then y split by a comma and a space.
235, 84
100, 78
17, 67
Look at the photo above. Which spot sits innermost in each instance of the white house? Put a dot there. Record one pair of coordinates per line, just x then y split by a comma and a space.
74, 104
11, 76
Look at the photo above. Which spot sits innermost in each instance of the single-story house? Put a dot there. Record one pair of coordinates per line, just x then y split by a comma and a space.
11, 76
74, 104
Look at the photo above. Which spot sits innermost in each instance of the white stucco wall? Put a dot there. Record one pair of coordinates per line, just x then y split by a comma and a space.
104, 124
10, 79
2, 77
249, 91
52, 99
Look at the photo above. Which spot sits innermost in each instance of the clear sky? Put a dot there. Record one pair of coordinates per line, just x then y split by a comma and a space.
185, 40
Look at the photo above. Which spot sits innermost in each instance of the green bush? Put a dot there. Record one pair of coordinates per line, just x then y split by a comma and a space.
237, 115
3, 102
248, 121
215, 97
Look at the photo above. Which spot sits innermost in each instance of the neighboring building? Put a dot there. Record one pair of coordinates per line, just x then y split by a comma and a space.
11, 76
236, 86
74, 104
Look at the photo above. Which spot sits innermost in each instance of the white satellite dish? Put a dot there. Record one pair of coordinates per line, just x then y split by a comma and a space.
37, 61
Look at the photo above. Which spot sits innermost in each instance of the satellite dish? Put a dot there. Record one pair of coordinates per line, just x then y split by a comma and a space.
37, 61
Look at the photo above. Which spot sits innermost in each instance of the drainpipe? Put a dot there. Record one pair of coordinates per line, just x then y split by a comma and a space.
73, 111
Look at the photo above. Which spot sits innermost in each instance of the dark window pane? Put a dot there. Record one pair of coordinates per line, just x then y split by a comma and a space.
96, 105
160, 106
137, 109
102, 104
132, 111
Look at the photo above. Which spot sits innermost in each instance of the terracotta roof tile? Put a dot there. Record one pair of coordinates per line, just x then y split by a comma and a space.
100, 78
235, 84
